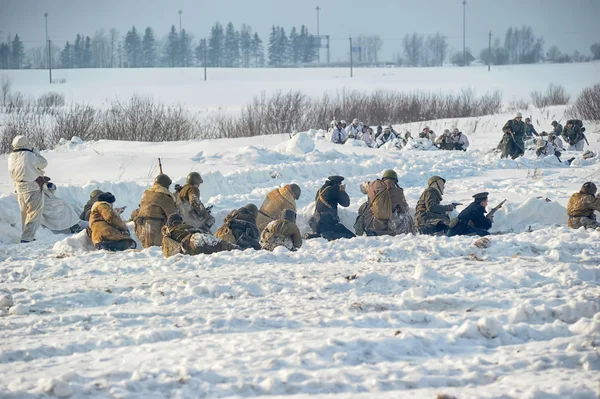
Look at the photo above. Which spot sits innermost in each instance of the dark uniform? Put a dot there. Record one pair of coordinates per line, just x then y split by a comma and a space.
512, 145
326, 222
530, 130
87, 209
472, 220
240, 228
573, 135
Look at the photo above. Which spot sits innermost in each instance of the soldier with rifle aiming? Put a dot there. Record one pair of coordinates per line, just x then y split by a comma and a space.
473, 219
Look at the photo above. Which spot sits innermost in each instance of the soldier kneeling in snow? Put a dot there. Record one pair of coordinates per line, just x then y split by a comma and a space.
581, 208
109, 232
282, 232
240, 228
178, 237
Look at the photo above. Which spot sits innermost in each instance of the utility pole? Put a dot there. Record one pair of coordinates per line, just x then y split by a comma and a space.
181, 41
180, 12
204, 41
318, 35
50, 60
490, 53
351, 71
464, 32
46, 17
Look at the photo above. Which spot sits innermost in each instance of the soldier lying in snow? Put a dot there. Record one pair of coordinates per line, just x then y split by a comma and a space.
178, 237
240, 228
581, 208
282, 232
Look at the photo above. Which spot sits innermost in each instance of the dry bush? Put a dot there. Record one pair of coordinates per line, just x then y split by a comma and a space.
5, 88
554, 95
51, 100
79, 120
517, 105
27, 123
587, 104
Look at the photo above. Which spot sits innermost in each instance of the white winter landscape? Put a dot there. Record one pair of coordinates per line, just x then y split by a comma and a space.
371, 317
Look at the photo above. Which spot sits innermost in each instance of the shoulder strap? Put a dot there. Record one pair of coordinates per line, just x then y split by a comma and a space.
320, 197
22, 150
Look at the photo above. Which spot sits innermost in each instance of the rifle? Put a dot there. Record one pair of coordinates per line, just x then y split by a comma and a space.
585, 138
160, 166
495, 209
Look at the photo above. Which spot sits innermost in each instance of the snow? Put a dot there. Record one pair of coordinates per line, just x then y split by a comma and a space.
385, 317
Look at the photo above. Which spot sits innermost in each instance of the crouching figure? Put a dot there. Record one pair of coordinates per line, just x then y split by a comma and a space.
282, 232
179, 238
240, 228
109, 231
581, 208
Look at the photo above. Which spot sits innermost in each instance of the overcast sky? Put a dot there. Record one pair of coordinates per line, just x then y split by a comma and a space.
570, 24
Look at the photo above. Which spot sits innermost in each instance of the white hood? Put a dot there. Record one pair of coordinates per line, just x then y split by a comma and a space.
21, 142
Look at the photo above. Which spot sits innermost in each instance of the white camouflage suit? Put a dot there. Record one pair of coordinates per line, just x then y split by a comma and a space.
25, 165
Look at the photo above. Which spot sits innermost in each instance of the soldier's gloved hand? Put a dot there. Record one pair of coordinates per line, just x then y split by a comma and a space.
343, 187
491, 217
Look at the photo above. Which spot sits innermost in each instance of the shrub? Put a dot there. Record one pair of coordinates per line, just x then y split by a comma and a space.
587, 104
51, 100
555, 95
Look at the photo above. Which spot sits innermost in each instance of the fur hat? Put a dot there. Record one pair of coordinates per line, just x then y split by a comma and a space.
107, 197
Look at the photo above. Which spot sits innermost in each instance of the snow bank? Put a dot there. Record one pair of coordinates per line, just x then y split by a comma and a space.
302, 143
534, 214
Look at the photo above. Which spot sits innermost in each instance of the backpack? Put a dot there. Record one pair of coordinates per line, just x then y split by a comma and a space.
576, 122
382, 205
359, 224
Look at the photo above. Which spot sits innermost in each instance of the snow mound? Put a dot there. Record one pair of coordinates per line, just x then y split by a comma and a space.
75, 243
355, 143
535, 213
199, 239
75, 144
302, 143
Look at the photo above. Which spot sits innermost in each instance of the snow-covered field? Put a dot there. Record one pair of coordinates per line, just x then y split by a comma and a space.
383, 317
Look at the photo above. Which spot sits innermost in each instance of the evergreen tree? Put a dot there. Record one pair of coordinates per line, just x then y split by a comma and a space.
17, 53
283, 47
148, 49
231, 49
133, 48
77, 58
185, 49
295, 47
200, 53
66, 56
4, 56
172, 48
257, 50
308, 45
274, 54
246, 45
87, 53
216, 44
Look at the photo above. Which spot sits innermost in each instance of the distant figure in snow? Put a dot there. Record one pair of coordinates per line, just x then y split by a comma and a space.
386, 137
444, 141
472, 220
573, 135
58, 216
557, 128
156, 205
178, 237
512, 144
431, 217
461, 142
366, 135
403, 140
529, 129
87, 209
26, 167
191, 208
282, 232
428, 133
354, 129
386, 212
582, 207
378, 133
339, 135
108, 231
344, 124
325, 222
544, 148
276, 202
240, 228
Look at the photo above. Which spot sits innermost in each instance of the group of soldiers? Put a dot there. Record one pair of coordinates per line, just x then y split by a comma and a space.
516, 133
180, 223
341, 133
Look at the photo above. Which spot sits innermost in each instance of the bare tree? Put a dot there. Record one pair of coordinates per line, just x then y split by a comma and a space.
5, 86
100, 49
438, 48
413, 45
114, 39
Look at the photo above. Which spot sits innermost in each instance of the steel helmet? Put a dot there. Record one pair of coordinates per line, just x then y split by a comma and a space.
434, 179
390, 174
163, 180
194, 179
252, 209
95, 193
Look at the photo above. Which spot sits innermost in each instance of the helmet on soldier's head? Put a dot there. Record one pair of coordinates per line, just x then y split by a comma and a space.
95, 193
434, 179
455, 131
343, 122
518, 115
289, 215
163, 180
355, 121
589, 188
194, 179
390, 174
252, 209
426, 128
387, 130
554, 123
294, 189
551, 135
446, 131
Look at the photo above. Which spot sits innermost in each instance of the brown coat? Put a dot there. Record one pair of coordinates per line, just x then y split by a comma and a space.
429, 209
271, 208
194, 242
582, 206
399, 205
106, 225
192, 210
155, 207
281, 232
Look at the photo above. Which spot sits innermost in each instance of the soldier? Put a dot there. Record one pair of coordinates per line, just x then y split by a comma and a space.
87, 209
544, 148
472, 220
191, 208
156, 205
58, 216
108, 231
276, 201
386, 212
512, 144
581, 208
529, 128
326, 222
431, 217
386, 137
556, 142
240, 228
339, 135
367, 136
461, 142
26, 167
379, 132
557, 128
430, 134
282, 232
354, 129
178, 237
444, 141
573, 134
403, 140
